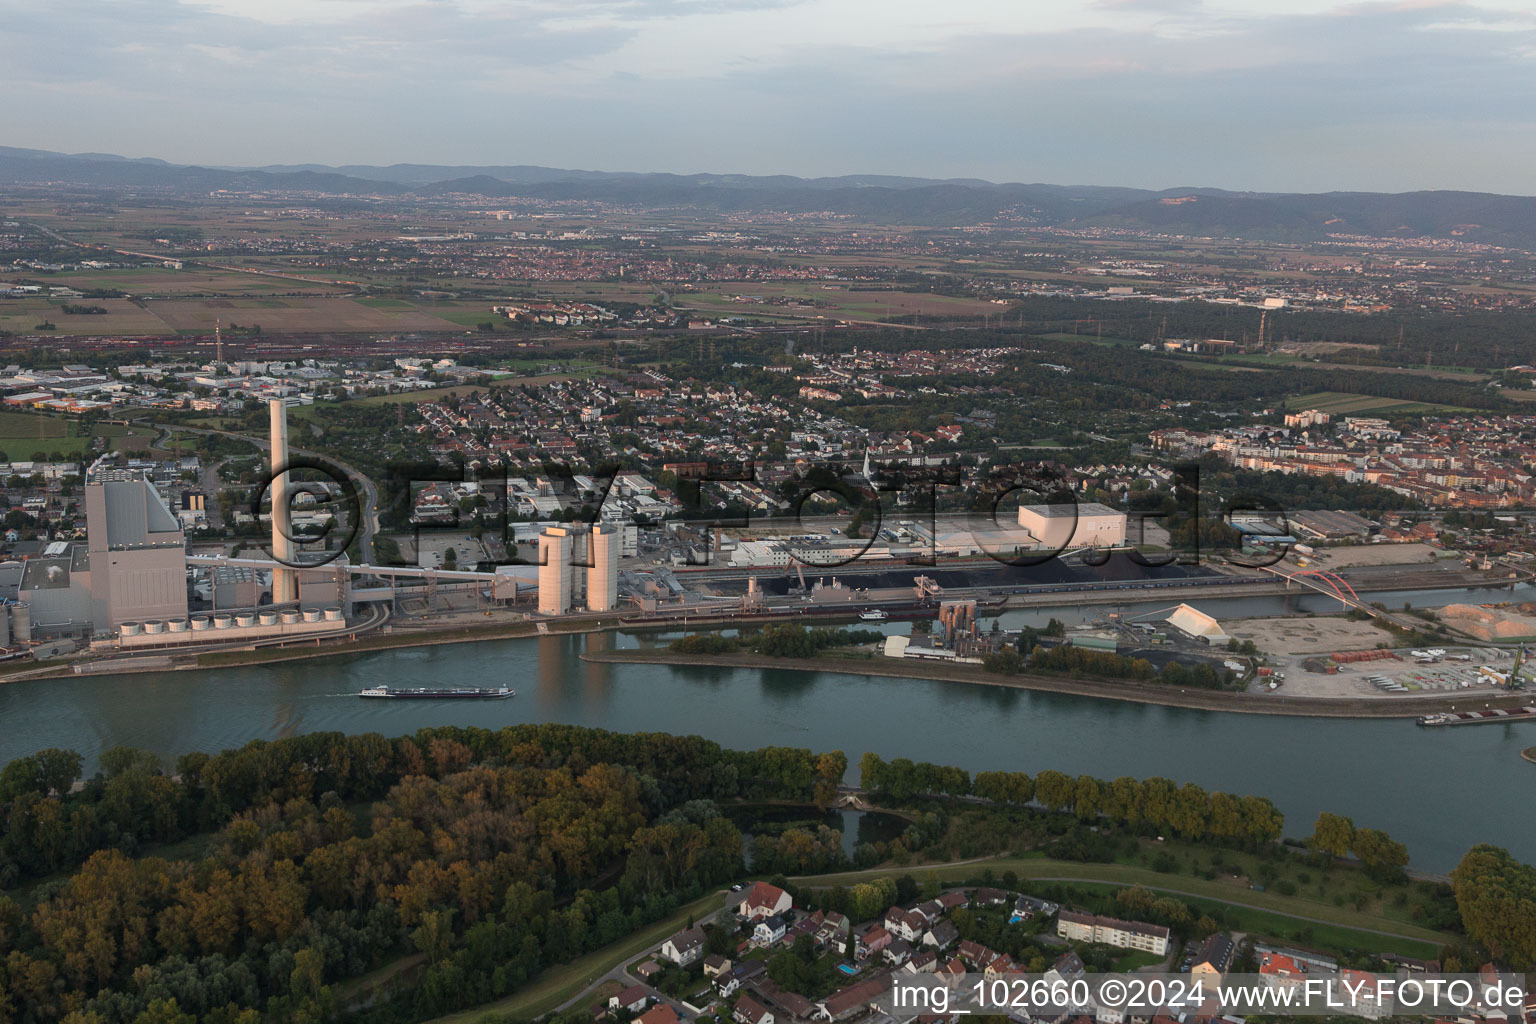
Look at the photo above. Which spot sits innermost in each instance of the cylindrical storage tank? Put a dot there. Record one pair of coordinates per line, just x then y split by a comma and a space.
176, 625
223, 620
267, 618
5, 626
200, 622
129, 629
245, 618
333, 615
289, 616
21, 623
154, 626
311, 614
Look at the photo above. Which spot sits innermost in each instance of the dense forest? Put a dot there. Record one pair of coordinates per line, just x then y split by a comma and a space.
299, 863
258, 884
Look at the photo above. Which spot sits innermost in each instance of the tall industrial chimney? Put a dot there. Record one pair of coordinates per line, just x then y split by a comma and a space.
285, 582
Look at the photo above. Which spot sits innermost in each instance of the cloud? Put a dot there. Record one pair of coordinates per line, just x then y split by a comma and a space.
1241, 93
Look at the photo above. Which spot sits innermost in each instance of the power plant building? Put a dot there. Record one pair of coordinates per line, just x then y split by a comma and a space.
137, 551
603, 571
555, 551
1064, 527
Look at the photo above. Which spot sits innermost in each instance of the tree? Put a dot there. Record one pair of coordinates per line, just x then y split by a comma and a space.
164, 1011
1378, 850
1055, 790
1496, 896
1333, 835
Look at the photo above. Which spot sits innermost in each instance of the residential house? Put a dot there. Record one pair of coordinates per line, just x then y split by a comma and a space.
661, 1013
925, 962
941, 935
769, 930
750, 1011
1362, 990
727, 982
988, 897
1030, 907
715, 965
685, 947
833, 930
898, 952
1281, 971
950, 900
906, 924
763, 900
1213, 958
872, 941
631, 1000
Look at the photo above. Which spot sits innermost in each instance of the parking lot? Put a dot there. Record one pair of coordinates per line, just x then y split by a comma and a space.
1401, 675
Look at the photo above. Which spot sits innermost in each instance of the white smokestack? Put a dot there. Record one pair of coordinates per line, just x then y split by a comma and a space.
285, 582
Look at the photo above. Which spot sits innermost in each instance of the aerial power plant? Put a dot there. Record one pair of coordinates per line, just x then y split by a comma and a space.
133, 586
564, 549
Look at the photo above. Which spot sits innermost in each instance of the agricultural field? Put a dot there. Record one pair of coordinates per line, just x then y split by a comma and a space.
191, 280
296, 314
829, 302
1341, 403
21, 316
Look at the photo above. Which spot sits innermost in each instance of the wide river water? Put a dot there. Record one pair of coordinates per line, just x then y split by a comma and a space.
1438, 790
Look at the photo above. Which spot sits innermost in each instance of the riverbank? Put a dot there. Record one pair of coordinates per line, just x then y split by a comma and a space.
399, 637
1529, 754
1103, 689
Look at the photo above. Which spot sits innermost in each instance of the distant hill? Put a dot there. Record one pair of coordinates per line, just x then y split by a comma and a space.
888, 199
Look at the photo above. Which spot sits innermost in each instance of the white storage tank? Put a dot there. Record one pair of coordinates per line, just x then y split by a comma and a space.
289, 616
311, 614
245, 618
154, 626
223, 620
200, 622
333, 614
21, 623
176, 625
268, 618
129, 629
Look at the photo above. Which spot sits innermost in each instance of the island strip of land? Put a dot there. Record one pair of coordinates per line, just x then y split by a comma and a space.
1105, 689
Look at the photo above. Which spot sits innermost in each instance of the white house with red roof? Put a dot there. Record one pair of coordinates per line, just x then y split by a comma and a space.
763, 900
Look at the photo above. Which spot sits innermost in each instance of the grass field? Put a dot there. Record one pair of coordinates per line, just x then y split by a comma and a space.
1341, 403
1282, 928
1284, 911
22, 434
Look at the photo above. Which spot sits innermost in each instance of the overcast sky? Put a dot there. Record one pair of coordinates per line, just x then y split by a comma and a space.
1305, 95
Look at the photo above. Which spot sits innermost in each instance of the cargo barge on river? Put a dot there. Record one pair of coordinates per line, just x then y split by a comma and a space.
1525, 714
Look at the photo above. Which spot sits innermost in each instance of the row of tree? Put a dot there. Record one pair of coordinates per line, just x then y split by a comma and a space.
1187, 810
1337, 836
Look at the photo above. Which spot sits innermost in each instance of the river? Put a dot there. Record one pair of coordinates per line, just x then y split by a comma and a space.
1438, 790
